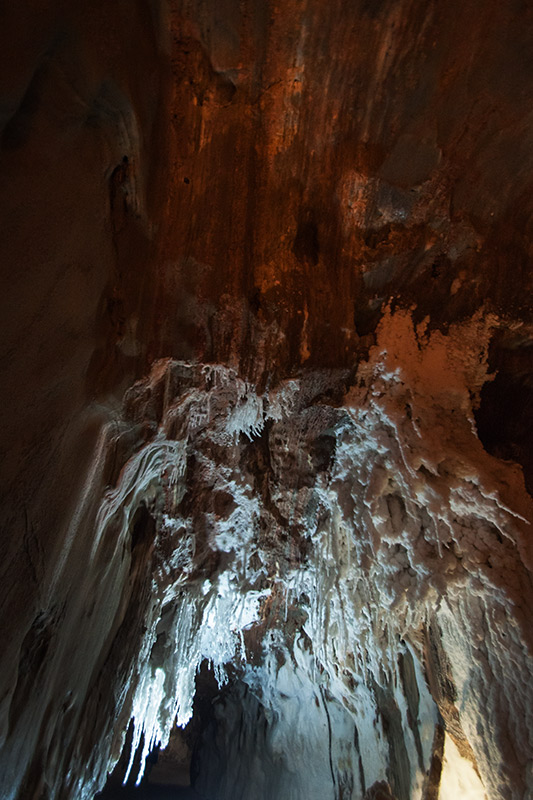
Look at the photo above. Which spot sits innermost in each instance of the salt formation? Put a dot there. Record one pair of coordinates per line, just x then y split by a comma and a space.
350, 532
342, 548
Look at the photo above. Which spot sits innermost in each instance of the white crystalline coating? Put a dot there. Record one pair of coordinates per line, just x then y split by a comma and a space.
247, 416
279, 404
162, 696
140, 474
239, 526
148, 700
364, 525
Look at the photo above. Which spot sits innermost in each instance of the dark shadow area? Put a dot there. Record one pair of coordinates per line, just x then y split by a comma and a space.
504, 420
168, 773
148, 792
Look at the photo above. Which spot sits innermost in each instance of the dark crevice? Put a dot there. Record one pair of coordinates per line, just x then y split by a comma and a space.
504, 420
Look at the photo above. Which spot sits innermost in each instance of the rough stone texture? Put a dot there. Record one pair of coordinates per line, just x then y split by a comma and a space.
269, 188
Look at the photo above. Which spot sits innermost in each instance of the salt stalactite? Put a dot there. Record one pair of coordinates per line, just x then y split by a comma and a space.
405, 523
356, 541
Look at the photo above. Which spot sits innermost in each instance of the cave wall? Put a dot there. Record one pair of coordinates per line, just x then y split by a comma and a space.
259, 186
82, 109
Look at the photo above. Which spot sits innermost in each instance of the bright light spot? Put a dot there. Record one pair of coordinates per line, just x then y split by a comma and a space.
459, 778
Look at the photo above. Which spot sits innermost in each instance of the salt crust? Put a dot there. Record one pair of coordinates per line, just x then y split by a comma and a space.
410, 523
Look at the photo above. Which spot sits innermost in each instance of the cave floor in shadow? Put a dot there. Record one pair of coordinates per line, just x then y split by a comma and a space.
148, 792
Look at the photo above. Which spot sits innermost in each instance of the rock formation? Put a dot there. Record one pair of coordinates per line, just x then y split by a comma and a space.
267, 369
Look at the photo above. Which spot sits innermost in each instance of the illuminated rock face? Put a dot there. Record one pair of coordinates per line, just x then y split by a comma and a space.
265, 258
